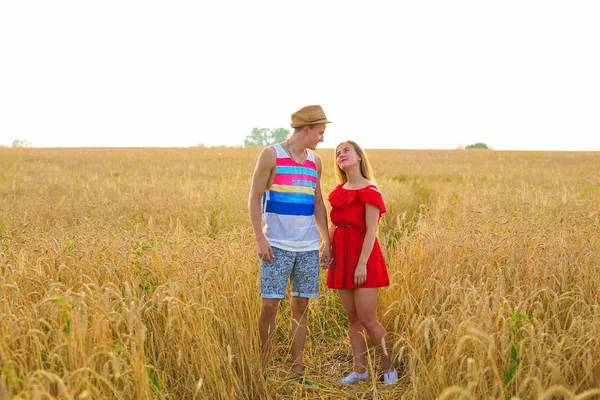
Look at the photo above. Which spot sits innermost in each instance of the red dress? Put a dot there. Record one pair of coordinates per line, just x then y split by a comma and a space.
348, 214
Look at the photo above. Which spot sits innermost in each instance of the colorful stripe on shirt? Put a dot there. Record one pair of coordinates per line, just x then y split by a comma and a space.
293, 189
301, 172
286, 208
288, 162
292, 180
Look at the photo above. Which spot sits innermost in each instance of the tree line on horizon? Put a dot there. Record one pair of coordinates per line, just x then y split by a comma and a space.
19, 143
259, 137
267, 137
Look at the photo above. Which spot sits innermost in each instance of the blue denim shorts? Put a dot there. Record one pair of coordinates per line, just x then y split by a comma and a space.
301, 267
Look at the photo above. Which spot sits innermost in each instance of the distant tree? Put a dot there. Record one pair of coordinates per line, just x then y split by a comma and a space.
21, 143
265, 137
477, 145
258, 137
279, 135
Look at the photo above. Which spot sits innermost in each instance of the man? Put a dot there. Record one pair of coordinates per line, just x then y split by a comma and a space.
286, 194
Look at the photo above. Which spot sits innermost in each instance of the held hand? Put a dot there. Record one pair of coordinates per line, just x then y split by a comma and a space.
360, 274
325, 256
265, 251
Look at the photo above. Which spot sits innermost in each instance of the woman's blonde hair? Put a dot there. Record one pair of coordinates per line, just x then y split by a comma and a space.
365, 166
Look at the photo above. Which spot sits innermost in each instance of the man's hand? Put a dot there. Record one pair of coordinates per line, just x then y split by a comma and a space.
265, 251
360, 274
325, 256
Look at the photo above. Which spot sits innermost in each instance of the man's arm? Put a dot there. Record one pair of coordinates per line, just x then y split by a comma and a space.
321, 216
260, 179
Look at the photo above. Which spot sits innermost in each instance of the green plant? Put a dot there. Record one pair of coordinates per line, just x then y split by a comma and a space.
515, 361
12, 375
142, 272
155, 384
64, 313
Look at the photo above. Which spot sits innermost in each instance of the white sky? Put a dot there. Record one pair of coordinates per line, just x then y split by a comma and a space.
516, 75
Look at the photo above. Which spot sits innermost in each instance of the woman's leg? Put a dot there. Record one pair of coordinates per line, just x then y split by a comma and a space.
355, 330
366, 307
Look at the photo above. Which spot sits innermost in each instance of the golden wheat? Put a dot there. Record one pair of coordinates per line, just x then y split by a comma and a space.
131, 274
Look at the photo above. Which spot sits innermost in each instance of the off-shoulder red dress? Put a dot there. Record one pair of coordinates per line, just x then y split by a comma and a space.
348, 215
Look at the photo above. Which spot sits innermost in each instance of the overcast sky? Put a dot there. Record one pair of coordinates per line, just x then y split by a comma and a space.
516, 75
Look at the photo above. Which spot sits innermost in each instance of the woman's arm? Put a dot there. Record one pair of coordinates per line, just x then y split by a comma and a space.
371, 221
331, 230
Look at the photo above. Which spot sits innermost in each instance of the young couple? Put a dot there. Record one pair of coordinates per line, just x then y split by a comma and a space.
286, 195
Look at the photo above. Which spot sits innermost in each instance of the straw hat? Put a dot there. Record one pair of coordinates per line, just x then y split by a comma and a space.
309, 115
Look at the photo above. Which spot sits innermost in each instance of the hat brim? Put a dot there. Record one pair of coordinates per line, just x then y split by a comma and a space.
317, 122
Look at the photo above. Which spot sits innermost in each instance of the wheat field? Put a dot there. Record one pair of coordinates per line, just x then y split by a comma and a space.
132, 274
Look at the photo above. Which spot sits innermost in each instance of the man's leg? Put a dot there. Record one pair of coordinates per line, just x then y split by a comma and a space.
266, 329
273, 283
305, 285
298, 331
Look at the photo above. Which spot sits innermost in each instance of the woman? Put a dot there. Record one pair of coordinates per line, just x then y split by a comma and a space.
358, 266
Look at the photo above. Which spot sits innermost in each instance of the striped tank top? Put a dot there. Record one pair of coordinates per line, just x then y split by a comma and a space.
289, 205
